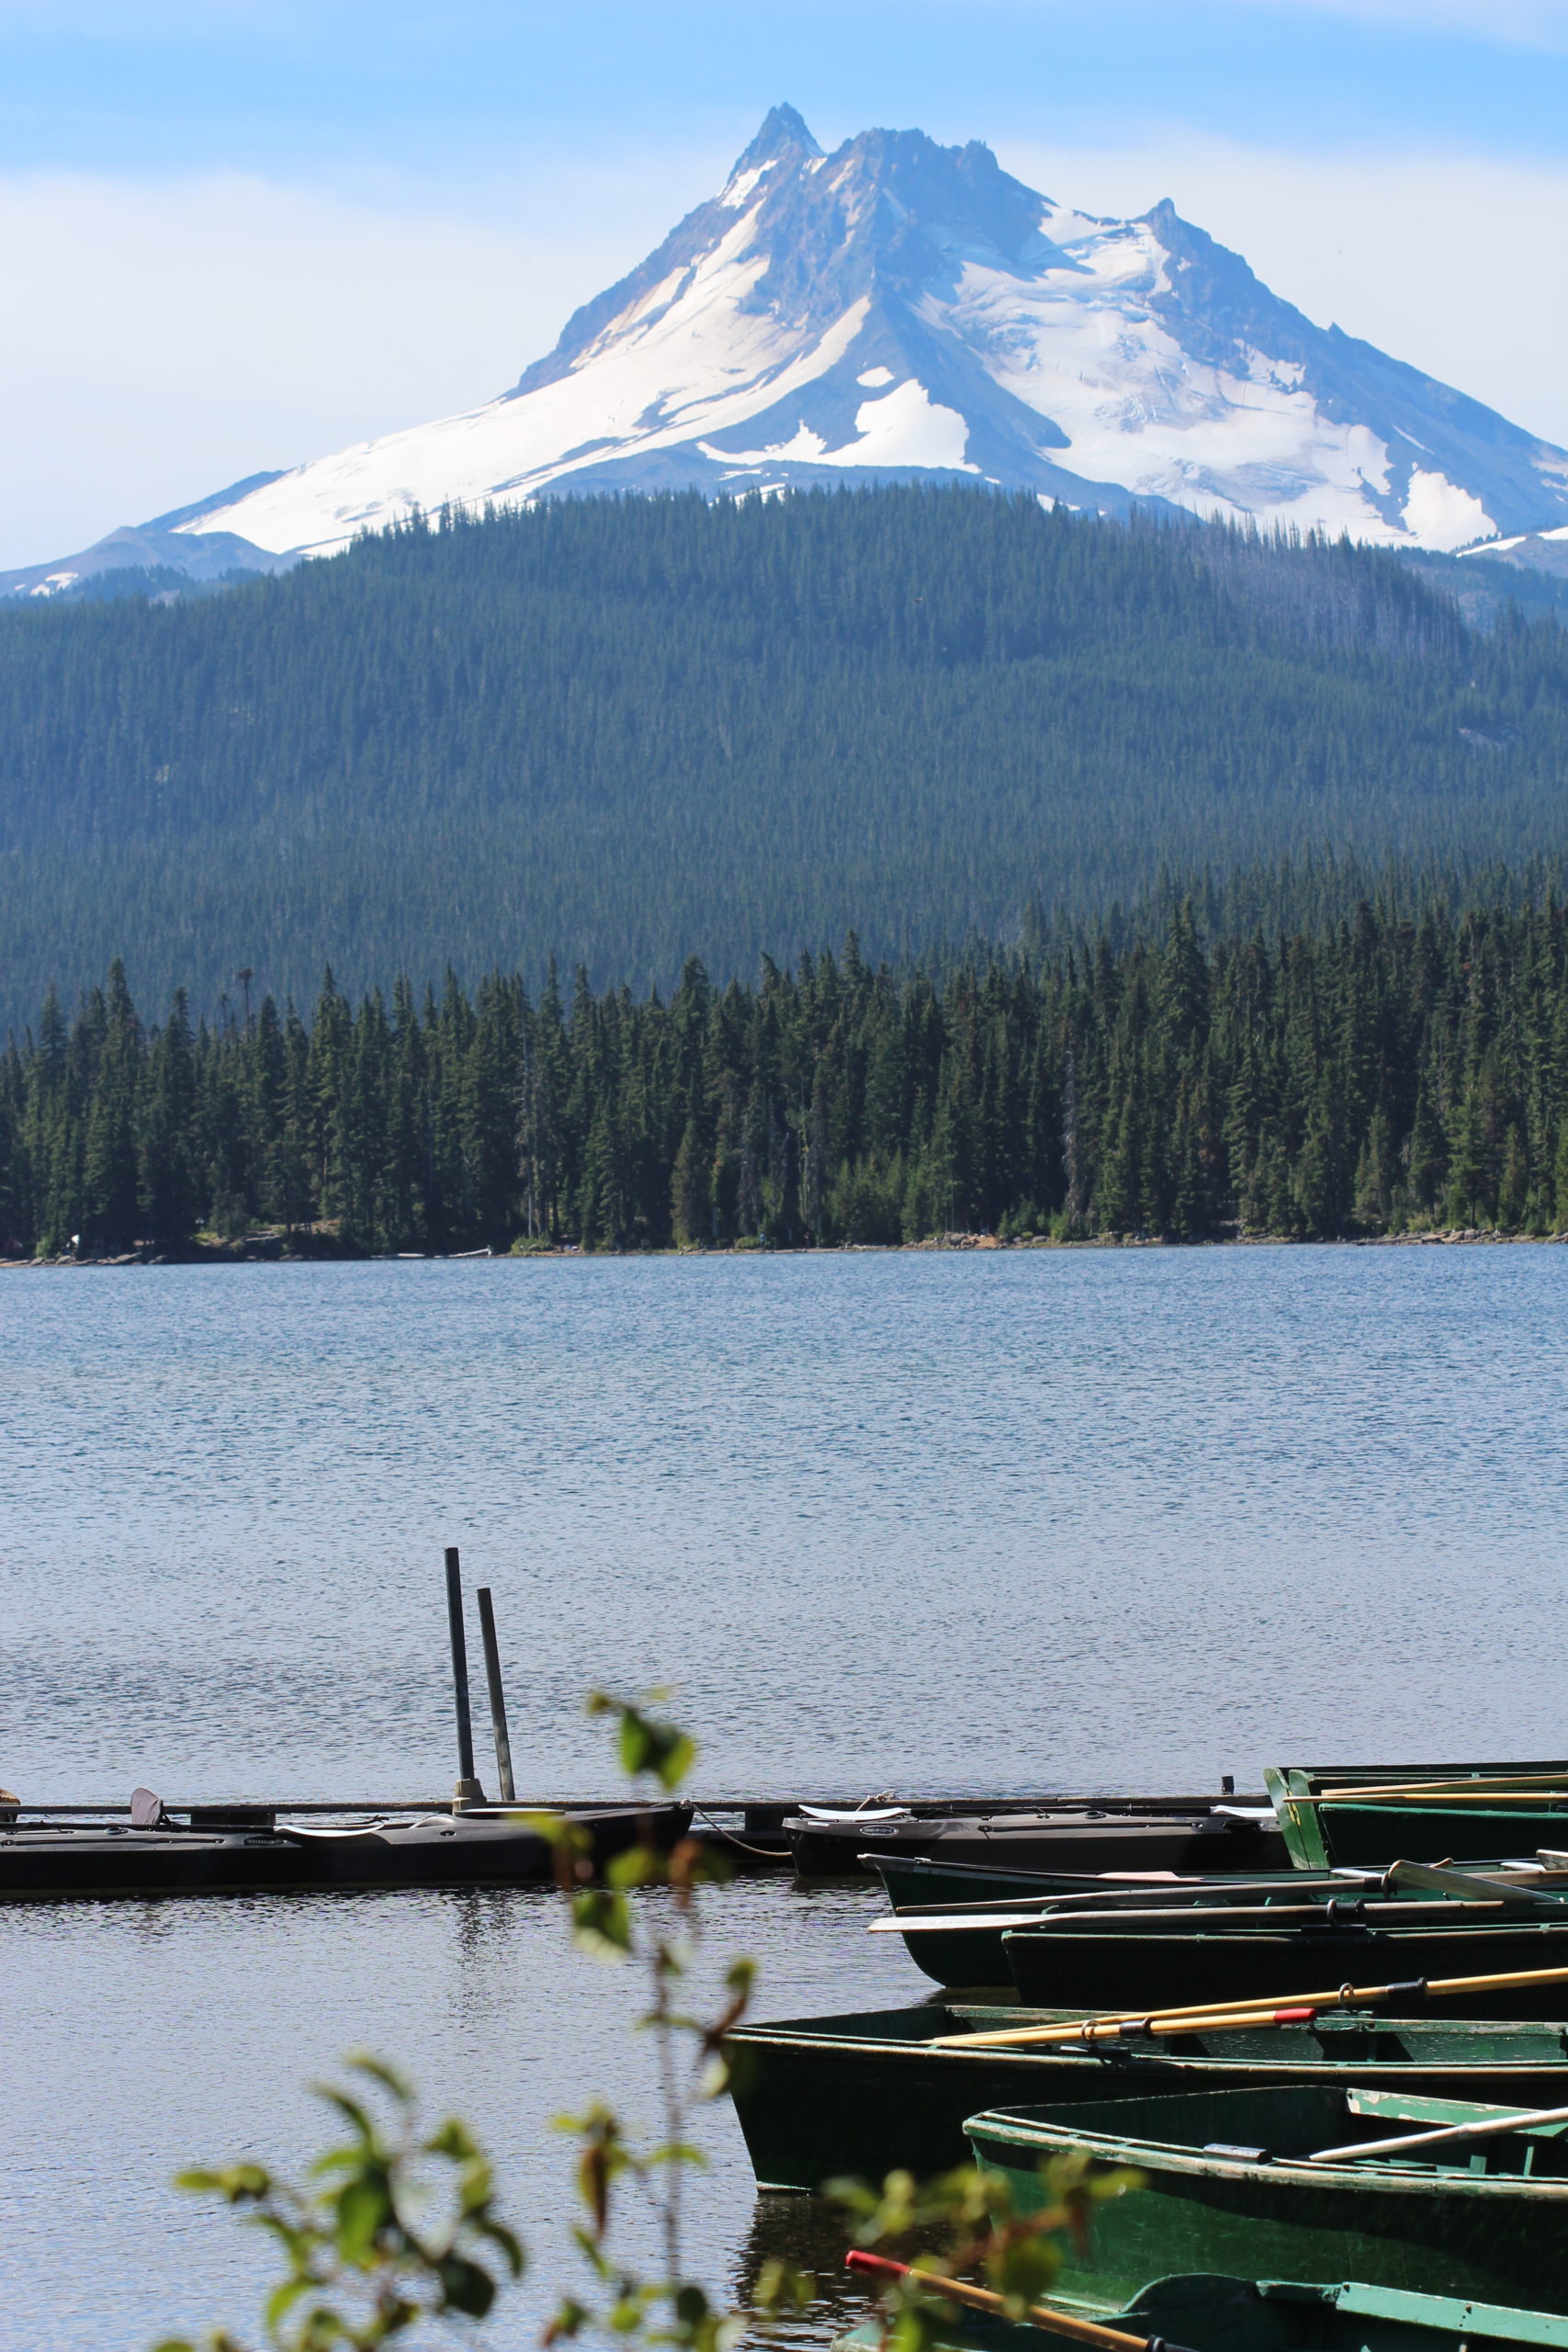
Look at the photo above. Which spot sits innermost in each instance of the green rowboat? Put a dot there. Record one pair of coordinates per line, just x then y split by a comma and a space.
1065, 1964
1516, 1809
921, 1883
1225, 2189
960, 1943
818, 2098
1213, 2314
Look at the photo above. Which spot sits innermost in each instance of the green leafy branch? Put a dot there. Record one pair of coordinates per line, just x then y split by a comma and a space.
1017, 2251
375, 2244
672, 2309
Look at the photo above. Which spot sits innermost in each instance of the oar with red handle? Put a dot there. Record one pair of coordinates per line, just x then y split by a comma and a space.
981, 2299
1231, 2016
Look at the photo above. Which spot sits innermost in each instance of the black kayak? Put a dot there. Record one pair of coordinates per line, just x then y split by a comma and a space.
103, 1859
1084, 1839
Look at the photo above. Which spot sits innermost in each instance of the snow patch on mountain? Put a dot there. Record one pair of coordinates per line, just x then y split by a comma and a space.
1438, 514
907, 428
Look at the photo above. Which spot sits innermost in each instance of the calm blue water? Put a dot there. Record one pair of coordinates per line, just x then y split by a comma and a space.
967, 1522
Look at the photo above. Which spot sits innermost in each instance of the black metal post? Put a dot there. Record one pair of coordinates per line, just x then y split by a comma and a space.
469, 1791
497, 1696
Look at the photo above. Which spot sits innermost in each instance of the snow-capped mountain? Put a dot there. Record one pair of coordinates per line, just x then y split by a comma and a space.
900, 309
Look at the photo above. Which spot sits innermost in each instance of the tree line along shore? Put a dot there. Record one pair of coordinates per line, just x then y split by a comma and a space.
1388, 1075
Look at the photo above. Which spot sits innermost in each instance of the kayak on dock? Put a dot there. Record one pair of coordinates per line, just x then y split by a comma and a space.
818, 2098
1449, 2196
1212, 2313
248, 1850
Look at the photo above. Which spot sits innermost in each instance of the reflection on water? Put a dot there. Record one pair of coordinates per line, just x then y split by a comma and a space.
141, 2037
973, 1521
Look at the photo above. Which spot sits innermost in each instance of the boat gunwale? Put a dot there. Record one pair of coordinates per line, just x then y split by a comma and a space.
1466, 2317
797, 2033
1394, 2178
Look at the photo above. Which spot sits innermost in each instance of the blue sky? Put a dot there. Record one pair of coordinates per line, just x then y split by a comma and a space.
237, 234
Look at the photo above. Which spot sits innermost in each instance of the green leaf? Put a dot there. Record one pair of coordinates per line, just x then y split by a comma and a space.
465, 2286
282, 2300
781, 2286
352, 2112
602, 1923
645, 1743
639, 1866
381, 2070
507, 2242
363, 2209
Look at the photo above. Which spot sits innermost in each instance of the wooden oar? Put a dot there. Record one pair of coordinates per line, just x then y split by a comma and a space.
1556, 1794
1172, 1892
1025, 1909
1193, 1919
951, 1918
981, 2299
1524, 1781
1492, 2128
1230, 2016
1130, 2029
1517, 1887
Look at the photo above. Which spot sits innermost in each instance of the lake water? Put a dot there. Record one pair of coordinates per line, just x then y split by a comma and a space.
965, 1521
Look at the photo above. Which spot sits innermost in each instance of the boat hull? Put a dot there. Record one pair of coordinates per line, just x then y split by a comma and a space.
1061, 1965
1073, 1844
818, 2098
962, 1943
1420, 2228
1217, 2314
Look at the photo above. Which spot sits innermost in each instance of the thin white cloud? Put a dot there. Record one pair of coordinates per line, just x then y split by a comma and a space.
160, 340
1453, 263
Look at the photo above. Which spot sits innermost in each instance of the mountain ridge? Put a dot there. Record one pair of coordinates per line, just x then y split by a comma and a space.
898, 310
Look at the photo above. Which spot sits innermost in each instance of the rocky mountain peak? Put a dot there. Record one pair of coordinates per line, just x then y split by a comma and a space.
901, 309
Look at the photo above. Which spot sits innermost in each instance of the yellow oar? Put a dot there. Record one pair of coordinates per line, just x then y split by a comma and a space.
1231, 2016
1494, 1797
981, 2299
1522, 1780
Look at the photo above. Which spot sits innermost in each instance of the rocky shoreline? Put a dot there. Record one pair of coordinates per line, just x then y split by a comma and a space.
319, 1249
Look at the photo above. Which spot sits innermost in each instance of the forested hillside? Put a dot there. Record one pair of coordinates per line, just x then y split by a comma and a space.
1379, 1074
612, 730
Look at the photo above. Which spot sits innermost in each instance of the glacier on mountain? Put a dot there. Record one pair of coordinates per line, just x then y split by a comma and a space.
899, 310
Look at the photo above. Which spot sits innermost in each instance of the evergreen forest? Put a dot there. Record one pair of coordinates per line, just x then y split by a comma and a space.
613, 730
1391, 1072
